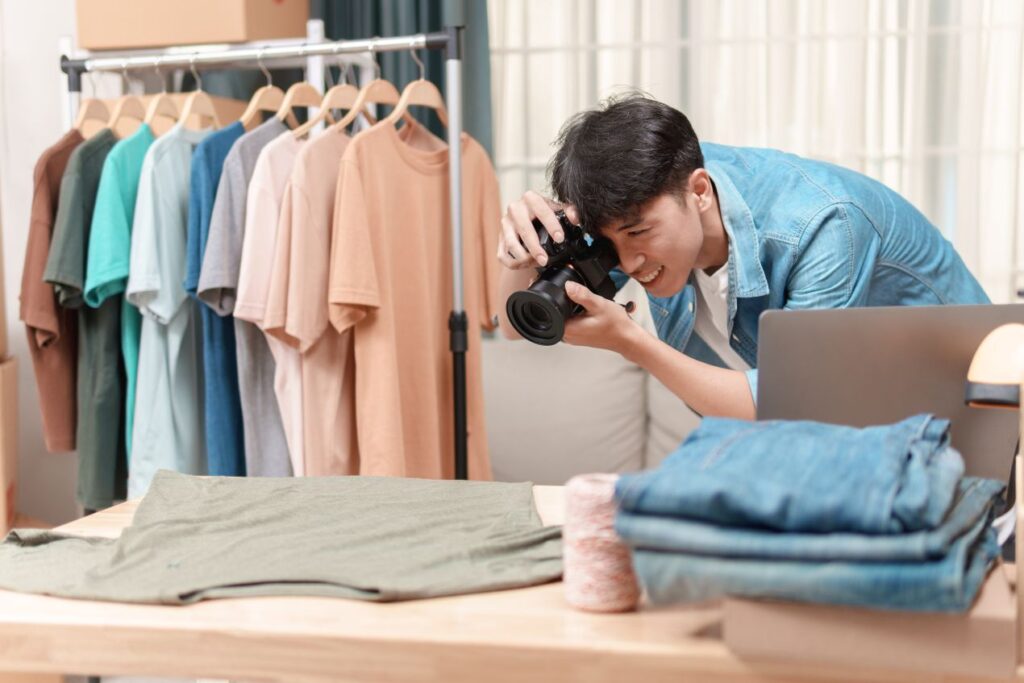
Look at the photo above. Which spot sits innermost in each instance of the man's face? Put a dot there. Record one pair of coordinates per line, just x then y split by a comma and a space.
659, 245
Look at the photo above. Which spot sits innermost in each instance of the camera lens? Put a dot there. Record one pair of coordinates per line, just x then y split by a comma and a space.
536, 316
540, 311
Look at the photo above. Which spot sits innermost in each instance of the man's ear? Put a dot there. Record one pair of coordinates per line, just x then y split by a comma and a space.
701, 188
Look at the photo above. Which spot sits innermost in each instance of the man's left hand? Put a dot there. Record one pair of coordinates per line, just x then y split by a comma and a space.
604, 325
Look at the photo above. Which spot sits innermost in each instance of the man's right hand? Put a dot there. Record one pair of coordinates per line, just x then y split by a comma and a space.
518, 247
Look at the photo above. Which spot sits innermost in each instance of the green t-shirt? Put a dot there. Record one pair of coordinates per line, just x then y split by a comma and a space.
99, 436
106, 272
367, 538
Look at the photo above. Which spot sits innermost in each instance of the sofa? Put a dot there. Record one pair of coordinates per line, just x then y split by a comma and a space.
557, 411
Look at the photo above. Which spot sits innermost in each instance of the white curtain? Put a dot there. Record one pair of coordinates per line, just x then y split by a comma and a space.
924, 95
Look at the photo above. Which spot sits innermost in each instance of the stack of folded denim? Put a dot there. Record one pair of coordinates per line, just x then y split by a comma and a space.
877, 517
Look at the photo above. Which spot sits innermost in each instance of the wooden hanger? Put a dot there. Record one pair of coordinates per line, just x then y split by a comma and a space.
128, 106
161, 106
341, 96
91, 110
267, 98
420, 92
377, 91
198, 103
299, 95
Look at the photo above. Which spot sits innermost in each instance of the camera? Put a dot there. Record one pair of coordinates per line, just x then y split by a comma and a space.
540, 311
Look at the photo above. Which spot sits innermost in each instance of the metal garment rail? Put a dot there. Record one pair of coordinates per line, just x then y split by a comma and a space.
450, 41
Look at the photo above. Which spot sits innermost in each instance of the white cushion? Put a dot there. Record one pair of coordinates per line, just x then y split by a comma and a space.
557, 411
669, 422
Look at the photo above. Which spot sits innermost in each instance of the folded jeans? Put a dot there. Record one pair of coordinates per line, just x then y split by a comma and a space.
945, 584
652, 532
804, 476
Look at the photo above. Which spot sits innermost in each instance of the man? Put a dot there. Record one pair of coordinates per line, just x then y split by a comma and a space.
717, 235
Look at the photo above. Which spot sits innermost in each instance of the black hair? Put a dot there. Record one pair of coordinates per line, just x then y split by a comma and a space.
613, 159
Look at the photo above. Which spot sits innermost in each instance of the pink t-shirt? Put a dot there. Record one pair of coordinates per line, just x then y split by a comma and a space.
263, 204
297, 308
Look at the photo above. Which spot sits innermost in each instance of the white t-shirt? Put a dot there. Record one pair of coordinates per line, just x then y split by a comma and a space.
168, 425
712, 322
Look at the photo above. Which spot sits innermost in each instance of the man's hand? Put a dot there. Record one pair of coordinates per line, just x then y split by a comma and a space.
518, 246
519, 249
604, 325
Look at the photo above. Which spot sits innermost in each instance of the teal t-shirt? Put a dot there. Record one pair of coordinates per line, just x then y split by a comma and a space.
109, 250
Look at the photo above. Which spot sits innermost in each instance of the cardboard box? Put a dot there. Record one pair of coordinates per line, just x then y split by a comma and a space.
126, 24
8, 441
982, 642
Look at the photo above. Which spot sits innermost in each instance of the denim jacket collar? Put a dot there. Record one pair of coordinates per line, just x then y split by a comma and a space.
746, 276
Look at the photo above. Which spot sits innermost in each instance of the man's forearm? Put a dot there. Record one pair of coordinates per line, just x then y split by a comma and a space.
707, 389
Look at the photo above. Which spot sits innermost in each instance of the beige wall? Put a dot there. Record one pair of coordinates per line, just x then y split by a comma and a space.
31, 106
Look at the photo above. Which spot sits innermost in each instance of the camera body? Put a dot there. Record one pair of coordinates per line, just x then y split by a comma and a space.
539, 312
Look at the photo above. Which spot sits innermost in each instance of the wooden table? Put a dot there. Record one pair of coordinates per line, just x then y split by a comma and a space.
517, 635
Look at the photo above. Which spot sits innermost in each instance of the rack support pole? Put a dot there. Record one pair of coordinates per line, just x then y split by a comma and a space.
457, 323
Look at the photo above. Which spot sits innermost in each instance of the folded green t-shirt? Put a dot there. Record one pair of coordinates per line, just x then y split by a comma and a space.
369, 538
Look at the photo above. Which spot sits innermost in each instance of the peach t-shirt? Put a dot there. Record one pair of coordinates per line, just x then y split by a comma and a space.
263, 203
297, 308
391, 283
297, 302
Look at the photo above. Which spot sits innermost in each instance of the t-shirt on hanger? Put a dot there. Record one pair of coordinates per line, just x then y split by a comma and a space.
168, 432
52, 330
266, 451
100, 378
391, 284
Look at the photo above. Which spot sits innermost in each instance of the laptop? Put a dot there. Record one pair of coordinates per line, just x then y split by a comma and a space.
865, 366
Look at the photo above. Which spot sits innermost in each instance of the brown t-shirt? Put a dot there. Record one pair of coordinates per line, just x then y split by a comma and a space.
391, 282
52, 330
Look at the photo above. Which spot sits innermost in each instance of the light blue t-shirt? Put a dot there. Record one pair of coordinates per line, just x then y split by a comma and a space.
109, 251
225, 447
168, 431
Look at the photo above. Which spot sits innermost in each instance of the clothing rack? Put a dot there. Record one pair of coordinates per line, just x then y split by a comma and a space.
449, 41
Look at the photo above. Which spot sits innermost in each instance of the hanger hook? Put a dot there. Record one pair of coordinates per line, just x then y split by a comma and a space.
126, 85
341, 72
263, 67
373, 57
329, 76
160, 74
419, 63
195, 74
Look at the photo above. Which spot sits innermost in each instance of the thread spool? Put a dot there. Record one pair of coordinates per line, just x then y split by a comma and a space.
597, 567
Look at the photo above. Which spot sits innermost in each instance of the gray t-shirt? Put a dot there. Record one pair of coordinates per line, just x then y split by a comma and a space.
367, 538
266, 451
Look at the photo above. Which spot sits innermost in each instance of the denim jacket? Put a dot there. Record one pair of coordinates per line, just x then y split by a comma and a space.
808, 234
